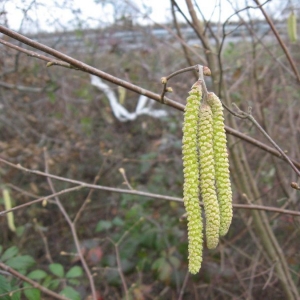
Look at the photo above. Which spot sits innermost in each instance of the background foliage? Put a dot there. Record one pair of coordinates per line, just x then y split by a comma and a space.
136, 247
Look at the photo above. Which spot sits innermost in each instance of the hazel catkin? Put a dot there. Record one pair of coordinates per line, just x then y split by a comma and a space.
292, 27
191, 178
207, 177
221, 164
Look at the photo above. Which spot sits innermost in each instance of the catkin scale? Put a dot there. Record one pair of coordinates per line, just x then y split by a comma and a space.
191, 179
221, 164
207, 177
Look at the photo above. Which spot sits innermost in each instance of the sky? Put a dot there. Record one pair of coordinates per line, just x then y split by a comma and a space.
48, 17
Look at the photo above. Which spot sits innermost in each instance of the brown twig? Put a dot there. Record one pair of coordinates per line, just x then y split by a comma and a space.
89, 69
87, 199
249, 116
36, 55
123, 173
181, 293
81, 184
86, 68
280, 41
184, 47
31, 282
119, 263
73, 231
164, 80
45, 241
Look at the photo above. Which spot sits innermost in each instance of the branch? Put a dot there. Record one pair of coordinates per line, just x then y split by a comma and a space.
73, 230
81, 184
280, 41
36, 55
91, 70
86, 68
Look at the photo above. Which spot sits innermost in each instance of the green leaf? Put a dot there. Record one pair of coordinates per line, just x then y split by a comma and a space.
175, 262
9, 253
158, 263
12, 292
163, 268
4, 288
1, 249
117, 221
103, 225
70, 293
47, 281
165, 272
37, 274
31, 293
20, 230
15, 295
57, 269
73, 282
74, 272
21, 262
53, 284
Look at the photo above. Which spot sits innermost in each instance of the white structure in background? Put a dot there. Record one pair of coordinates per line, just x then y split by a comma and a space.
144, 106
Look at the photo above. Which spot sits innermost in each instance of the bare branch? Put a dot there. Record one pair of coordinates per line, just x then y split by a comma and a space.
81, 184
280, 41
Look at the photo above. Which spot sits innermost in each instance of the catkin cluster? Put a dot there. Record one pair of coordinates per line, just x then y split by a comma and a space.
206, 171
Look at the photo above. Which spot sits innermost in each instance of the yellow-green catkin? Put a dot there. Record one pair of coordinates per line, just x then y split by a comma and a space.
292, 27
191, 178
207, 177
221, 164
7, 204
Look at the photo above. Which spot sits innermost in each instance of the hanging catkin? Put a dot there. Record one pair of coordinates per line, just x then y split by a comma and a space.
206, 165
207, 177
191, 178
221, 163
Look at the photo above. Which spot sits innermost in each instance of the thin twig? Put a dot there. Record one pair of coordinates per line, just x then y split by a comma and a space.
250, 117
44, 198
181, 293
31, 282
73, 230
81, 184
280, 41
91, 70
119, 263
164, 80
50, 61
45, 241
228, 33
123, 173
87, 199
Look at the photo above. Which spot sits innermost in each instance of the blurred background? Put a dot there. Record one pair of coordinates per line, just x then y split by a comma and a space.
58, 109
